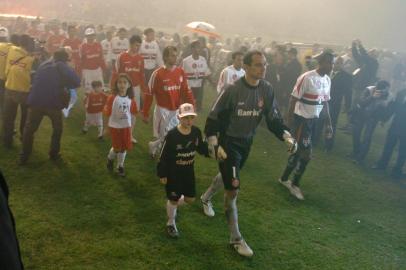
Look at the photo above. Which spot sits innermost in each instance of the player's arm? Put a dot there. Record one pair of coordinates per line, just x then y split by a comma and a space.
297, 93
148, 95
202, 146
163, 162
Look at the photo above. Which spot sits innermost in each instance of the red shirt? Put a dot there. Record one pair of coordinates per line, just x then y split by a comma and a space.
95, 102
170, 88
91, 56
133, 66
74, 43
54, 42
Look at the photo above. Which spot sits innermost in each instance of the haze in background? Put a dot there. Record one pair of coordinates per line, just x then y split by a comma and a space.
379, 23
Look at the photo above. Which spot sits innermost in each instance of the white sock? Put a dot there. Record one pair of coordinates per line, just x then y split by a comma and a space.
171, 212
181, 201
216, 184
232, 217
112, 155
121, 159
100, 129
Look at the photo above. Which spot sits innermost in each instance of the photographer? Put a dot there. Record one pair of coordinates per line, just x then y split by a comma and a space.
370, 110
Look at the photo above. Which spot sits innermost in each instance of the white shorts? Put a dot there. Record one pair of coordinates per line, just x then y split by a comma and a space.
163, 121
90, 75
94, 119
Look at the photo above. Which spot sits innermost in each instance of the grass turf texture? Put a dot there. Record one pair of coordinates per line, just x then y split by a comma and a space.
76, 215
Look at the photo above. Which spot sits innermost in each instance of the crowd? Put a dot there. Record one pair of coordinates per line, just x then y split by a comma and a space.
123, 70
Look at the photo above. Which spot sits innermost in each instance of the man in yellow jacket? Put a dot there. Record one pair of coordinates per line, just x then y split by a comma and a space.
18, 84
4, 47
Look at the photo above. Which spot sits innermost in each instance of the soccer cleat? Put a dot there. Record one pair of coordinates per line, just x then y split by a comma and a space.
172, 231
120, 171
134, 140
110, 164
207, 207
295, 191
287, 184
242, 248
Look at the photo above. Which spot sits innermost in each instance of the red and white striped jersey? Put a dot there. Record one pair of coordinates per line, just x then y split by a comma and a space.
196, 70
170, 88
119, 45
91, 56
152, 54
228, 76
133, 66
312, 90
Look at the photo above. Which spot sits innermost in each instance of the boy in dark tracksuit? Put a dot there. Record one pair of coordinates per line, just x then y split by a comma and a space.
176, 163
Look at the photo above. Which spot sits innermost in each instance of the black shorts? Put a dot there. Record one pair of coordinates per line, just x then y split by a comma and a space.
237, 153
175, 188
302, 131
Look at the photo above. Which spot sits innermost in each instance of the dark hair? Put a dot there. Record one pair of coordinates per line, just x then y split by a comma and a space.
122, 29
15, 39
235, 54
382, 85
130, 92
148, 30
135, 38
96, 84
293, 51
194, 44
248, 56
61, 55
27, 43
167, 50
324, 56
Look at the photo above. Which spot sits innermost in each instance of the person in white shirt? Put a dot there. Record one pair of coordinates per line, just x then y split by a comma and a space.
108, 53
196, 69
151, 53
231, 73
310, 94
119, 43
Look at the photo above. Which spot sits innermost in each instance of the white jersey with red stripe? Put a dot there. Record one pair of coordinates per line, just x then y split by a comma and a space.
312, 90
152, 54
228, 76
119, 45
196, 70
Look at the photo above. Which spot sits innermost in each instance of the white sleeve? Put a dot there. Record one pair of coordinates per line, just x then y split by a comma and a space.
300, 86
222, 81
207, 71
159, 59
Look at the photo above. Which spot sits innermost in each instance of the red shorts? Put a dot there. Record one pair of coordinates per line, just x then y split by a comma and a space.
121, 138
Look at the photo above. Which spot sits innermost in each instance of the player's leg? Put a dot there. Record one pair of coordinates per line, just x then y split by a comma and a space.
215, 186
34, 119
174, 200
57, 129
86, 124
100, 129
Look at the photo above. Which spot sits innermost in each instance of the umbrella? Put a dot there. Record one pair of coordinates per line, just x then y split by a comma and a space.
203, 28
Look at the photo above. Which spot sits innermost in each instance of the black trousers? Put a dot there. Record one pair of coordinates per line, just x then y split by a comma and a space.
198, 95
362, 132
2, 82
13, 99
35, 116
392, 140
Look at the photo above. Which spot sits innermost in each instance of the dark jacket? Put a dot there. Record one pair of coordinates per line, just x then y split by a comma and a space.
370, 108
50, 80
397, 108
10, 257
368, 68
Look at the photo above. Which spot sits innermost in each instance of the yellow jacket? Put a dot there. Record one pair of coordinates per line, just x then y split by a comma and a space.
4, 47
18, 69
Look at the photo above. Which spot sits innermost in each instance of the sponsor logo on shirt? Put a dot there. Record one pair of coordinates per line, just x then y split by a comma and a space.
255, 113
171, 88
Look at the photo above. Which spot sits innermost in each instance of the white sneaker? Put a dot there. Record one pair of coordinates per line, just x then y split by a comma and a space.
152, 149
287, 184
295, 191
134, 140
242, 248
207, 207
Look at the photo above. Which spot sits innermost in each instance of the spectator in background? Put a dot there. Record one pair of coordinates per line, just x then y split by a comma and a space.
288, 78
151, 53
46, 98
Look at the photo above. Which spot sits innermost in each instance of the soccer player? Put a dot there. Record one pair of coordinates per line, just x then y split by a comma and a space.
92, 61
94, 104
119, 44
231, 73
176, 164
169, 86
310, 94
230, 128
132, 64
55, 39
151, 53
74, 43
120, 109
196, 69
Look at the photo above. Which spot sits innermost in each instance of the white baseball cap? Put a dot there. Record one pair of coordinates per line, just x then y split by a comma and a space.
3, 32
186, 109
89, 31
